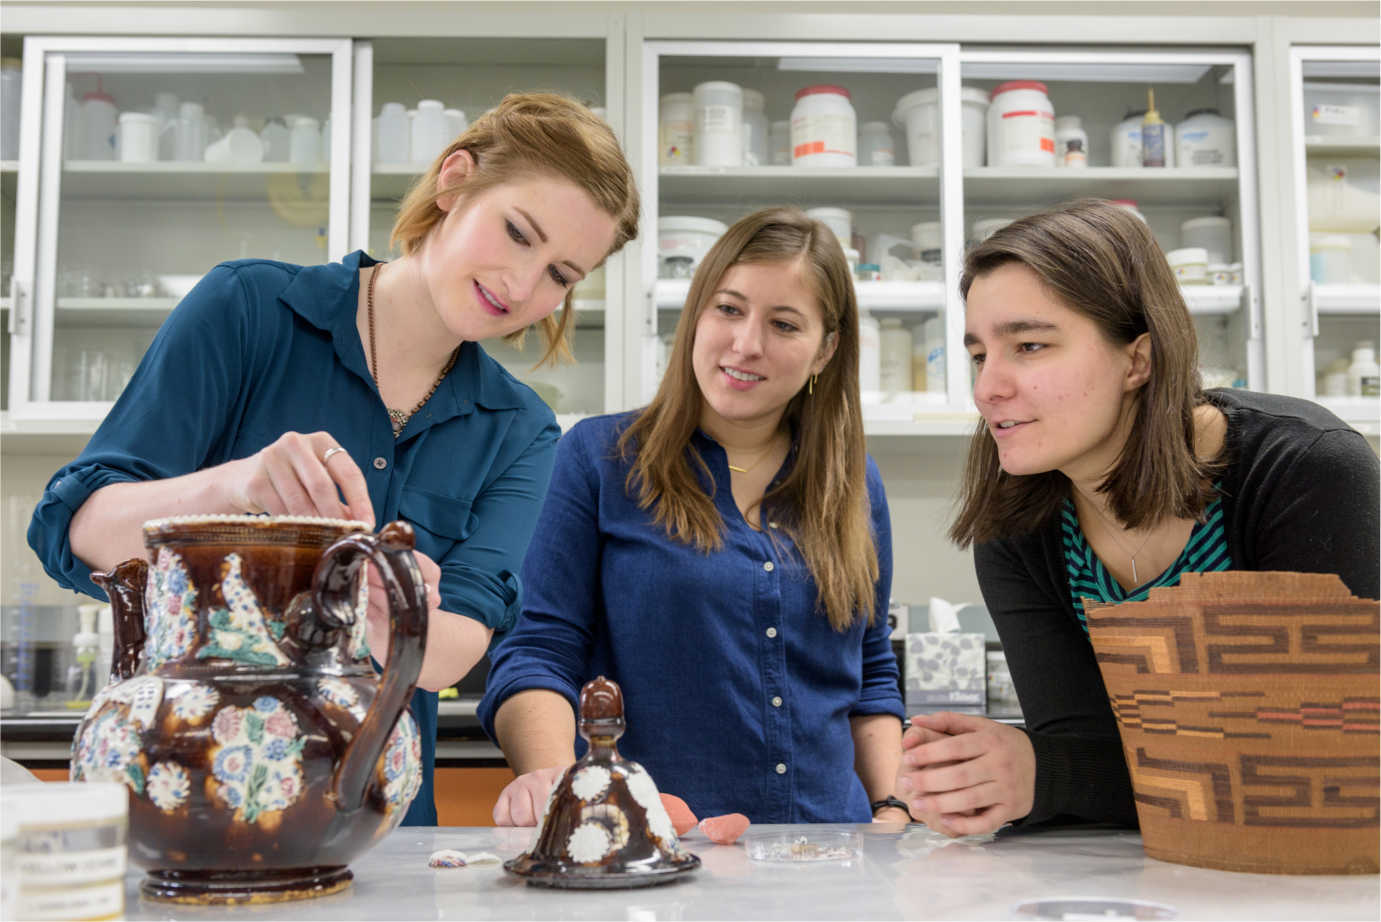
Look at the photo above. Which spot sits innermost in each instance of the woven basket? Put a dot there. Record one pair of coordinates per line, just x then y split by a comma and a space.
1248, 707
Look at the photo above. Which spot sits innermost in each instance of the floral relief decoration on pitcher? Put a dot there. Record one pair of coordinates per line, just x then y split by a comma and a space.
170, 606
258, 762
193, 702
240, 632
341, 694
359, 646
168, 786
109, 750
402, 763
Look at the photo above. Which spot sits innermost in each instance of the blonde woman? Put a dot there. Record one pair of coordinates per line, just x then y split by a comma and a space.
359, 388
1102, 470
725, 555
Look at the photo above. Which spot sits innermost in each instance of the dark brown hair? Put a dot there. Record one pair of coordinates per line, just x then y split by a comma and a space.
1101, 261
823, 502
526, 135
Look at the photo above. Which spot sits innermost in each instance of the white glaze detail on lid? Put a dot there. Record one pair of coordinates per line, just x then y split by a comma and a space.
222, 518
590, 782
644, 791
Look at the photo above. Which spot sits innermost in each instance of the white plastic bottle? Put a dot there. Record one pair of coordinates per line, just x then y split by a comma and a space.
718, 107
1363, 375
895, 352
1071, 142
935, 354
755, 152
869, 356
824, 127
675, 129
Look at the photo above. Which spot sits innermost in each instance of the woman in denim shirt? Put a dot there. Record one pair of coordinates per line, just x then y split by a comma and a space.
280, 388
725, 555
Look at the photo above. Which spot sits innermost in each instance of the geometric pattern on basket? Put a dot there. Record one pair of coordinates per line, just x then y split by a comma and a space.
1237, 637
1307, 791
1237, 719
1297, 791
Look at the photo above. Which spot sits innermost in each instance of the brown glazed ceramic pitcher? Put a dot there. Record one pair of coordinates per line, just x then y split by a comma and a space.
261, 751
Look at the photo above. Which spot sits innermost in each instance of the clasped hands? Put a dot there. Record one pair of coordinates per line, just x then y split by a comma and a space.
965, 775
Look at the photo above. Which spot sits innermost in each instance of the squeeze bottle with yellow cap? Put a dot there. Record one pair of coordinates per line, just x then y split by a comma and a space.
1152, 134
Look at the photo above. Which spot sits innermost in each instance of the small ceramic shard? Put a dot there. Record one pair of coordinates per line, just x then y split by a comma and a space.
484, 860
447, 858
724, 830
682, 818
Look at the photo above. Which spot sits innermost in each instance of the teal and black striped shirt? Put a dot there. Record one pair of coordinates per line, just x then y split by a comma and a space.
1206, 551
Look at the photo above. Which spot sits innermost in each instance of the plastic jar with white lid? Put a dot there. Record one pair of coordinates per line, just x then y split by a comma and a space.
839, 220
1329, 258
1071, 142
1190, 265
824, 129
1126, 140
1211, 232
875, 145
869, 356
779, 142
919, 113
686, 236
70, 851
676, 129
755, 151
1021, 125
718, 123
1205, 138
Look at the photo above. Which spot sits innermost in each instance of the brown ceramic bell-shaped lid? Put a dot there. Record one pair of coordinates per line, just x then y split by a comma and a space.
604, 824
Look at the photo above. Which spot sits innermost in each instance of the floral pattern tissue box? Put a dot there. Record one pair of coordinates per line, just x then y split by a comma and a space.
946, 672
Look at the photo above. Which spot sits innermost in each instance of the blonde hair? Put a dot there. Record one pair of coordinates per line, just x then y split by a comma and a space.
1102, 262
529, 134
823, 502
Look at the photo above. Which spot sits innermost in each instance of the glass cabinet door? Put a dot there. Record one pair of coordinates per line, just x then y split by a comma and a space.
1334, 110
421, 95
1067, 124
157, 159
745, 125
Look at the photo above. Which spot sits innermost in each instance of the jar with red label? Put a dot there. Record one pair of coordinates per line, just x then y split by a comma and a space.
1021, 125
824, 129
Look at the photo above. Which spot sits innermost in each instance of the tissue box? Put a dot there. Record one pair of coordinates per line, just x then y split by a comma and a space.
946, 672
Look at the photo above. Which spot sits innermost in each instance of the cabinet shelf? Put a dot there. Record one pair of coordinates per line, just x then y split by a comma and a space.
1347, 299
391, 181
901, 297
807, 186
113, 312
1153, 186
928, 297
179, 180
1361, 413
1359, 146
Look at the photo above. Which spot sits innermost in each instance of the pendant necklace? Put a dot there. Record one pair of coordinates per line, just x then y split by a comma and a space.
397, 418
1112, 533
743, 470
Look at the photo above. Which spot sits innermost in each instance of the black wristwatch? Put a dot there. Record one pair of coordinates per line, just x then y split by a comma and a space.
891, 801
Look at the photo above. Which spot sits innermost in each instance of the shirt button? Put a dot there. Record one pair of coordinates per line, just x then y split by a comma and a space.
380, 463
771, 632
781, 768
776, 701
768, 566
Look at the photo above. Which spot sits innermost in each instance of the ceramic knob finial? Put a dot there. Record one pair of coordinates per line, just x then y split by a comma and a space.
601, 707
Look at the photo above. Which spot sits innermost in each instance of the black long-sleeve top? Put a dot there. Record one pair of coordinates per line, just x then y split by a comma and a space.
1300, 492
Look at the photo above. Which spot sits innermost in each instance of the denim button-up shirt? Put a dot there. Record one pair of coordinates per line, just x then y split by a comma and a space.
260, 348
737, 691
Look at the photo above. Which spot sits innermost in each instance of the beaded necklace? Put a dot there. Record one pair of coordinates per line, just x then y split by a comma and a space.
398, 418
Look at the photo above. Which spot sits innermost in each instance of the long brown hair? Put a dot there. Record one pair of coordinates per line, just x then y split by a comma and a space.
526, 135
1101, 261
823, 502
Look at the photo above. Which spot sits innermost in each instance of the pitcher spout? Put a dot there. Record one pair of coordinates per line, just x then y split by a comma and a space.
125, 586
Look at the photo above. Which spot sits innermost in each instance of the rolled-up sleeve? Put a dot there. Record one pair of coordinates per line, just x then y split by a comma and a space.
880, 693
163, 425
549, 647
480, 575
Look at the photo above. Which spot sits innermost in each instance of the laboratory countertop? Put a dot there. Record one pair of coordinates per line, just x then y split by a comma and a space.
903, 873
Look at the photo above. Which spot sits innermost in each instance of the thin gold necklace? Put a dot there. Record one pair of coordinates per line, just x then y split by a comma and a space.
397, 418
762, 457
1112, 533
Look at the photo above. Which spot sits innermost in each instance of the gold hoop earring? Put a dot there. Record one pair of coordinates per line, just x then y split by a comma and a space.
810, 387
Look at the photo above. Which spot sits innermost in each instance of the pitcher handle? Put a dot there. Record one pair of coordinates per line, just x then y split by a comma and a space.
333, 588
125, 585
